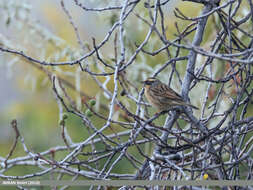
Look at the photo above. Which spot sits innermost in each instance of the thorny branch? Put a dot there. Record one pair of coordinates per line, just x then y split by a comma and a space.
217, 76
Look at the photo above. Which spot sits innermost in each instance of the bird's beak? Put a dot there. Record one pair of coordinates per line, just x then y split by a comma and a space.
143, 82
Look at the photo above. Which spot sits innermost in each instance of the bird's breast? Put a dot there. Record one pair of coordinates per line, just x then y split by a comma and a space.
151, 99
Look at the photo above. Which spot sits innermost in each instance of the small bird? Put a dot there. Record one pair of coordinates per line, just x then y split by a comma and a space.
160, 96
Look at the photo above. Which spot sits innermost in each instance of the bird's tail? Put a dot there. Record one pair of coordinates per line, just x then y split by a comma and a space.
192, 106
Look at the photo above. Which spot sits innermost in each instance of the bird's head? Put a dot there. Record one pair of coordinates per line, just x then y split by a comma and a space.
150, 81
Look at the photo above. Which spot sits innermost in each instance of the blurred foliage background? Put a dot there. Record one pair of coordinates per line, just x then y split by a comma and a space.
42, 30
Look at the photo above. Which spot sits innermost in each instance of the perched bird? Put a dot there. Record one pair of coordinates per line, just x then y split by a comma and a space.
161, 96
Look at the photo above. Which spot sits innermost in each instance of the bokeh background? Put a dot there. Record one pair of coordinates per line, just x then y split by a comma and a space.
25, 93
42, 30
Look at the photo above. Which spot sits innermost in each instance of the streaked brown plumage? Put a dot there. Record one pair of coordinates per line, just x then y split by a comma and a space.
161, 96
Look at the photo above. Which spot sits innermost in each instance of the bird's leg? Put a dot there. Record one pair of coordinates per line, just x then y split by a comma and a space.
161, 112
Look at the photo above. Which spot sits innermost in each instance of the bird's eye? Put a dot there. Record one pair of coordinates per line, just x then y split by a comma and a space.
148, 82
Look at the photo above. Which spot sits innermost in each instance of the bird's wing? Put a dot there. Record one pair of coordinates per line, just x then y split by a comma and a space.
163, 90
